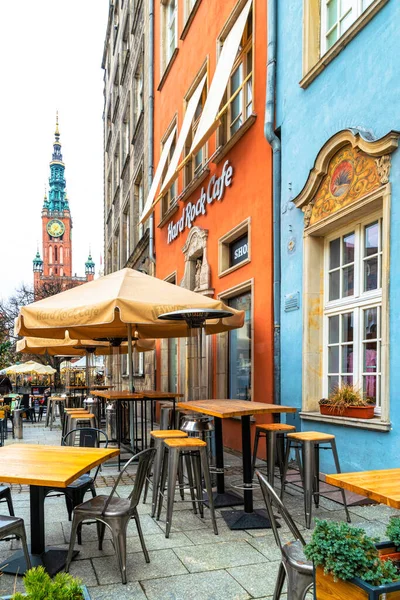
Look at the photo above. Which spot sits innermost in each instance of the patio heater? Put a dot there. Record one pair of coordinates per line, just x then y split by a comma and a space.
196, 319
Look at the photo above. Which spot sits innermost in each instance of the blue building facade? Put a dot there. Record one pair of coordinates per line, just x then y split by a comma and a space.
338, 92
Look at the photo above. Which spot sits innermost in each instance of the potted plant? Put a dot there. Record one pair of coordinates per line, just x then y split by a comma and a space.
348, 564
347, 401
39, 586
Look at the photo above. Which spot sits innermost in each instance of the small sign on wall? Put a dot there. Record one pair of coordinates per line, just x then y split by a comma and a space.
239, 250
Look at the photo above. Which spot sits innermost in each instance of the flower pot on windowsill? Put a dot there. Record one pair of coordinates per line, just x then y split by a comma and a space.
354, 412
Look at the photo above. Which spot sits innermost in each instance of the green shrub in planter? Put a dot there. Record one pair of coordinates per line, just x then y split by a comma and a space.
346, 552
393, 531
39, 586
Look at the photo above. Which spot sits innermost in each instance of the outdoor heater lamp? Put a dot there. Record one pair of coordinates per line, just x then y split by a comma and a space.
195, 318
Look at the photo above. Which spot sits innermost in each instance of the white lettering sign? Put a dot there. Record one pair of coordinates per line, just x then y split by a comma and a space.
215, 191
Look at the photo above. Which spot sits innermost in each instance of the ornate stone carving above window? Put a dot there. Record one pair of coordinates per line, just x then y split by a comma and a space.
347, 168
197, 275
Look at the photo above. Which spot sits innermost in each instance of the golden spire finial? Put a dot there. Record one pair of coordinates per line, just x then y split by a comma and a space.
57, 132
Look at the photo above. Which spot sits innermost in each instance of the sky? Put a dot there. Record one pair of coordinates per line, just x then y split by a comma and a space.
52, 53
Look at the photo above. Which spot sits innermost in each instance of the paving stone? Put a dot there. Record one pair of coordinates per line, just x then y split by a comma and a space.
207, 536
84, 570
91, 549
257, 580
158, 542
217, 585
218, 556
182, 521
162, 563
130, 591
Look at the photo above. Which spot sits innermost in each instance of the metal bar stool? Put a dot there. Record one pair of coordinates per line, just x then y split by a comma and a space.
156, 440
77, 422
67, 414
196, 449
165, 415
310, 444
274, 437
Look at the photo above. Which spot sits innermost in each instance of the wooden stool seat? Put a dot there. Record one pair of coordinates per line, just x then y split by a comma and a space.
311, 436
82, 416
189, 442
275, 427
162, 434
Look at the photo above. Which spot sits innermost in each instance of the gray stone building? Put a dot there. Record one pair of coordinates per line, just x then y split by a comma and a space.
128, 162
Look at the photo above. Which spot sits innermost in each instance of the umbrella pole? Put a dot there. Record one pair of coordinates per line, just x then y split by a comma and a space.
131, 388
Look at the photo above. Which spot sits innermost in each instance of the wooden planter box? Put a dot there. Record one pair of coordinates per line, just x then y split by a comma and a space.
356, 589
86, 595
356, 412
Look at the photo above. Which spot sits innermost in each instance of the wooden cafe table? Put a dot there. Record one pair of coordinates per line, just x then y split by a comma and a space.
226, 409
41, 467
142, 397
382, 486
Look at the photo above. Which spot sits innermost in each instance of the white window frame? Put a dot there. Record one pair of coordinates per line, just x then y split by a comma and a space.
356, 303
357, 7
171, 28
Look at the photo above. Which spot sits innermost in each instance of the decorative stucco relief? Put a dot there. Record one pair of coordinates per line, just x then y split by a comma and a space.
351, 175
348, 167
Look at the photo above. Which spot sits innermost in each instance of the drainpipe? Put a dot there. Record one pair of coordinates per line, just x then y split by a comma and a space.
150, 108
275, 143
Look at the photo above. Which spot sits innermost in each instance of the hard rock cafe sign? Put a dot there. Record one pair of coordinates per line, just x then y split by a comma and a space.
214, 191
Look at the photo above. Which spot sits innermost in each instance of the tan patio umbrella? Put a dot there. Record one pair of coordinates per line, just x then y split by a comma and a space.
113, 307
68, 347
103, 309
30, 367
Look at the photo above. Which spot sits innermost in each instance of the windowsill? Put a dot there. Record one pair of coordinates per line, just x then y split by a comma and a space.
194, 184
190, 18
170, 212
342, 42
167, 69
234, 268
223, 151
137, 126
135, 375
375, 424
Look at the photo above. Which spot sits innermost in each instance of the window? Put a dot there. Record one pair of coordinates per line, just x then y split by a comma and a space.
352, 311
169, 33
139, 201
126, 234
234, 248
240, 351
195, 165
329, 24
125, 50
116, 171
139, 91
169, 197
126, 136
337, 16
239, 95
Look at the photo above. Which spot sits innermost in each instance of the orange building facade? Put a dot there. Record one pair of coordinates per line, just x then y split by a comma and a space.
213, 222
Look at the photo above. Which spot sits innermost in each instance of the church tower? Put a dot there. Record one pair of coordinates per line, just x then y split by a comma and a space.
56, 266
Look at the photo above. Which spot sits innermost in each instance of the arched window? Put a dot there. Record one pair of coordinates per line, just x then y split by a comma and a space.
50, 254
55, 253
61, 255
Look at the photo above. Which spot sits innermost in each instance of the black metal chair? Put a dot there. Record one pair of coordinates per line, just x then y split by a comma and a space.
294, 565
15, 526
115, 512
86, 437
5, 496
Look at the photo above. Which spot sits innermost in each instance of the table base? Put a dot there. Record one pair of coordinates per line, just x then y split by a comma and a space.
53, 560
224, 499
239, 519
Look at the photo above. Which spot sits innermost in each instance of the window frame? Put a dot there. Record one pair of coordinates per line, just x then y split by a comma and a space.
169, 199
190, 173
224, 131
357, 303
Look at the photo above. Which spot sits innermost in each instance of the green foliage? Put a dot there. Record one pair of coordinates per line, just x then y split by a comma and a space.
40, 586
393, 531
347, 552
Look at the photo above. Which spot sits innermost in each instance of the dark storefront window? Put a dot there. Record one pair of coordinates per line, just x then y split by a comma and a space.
240, 351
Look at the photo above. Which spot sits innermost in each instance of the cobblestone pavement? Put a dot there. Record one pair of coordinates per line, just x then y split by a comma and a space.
193, 563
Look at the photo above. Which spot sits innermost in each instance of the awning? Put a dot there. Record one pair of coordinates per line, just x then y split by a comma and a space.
173, 172
208, 120
157, 176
